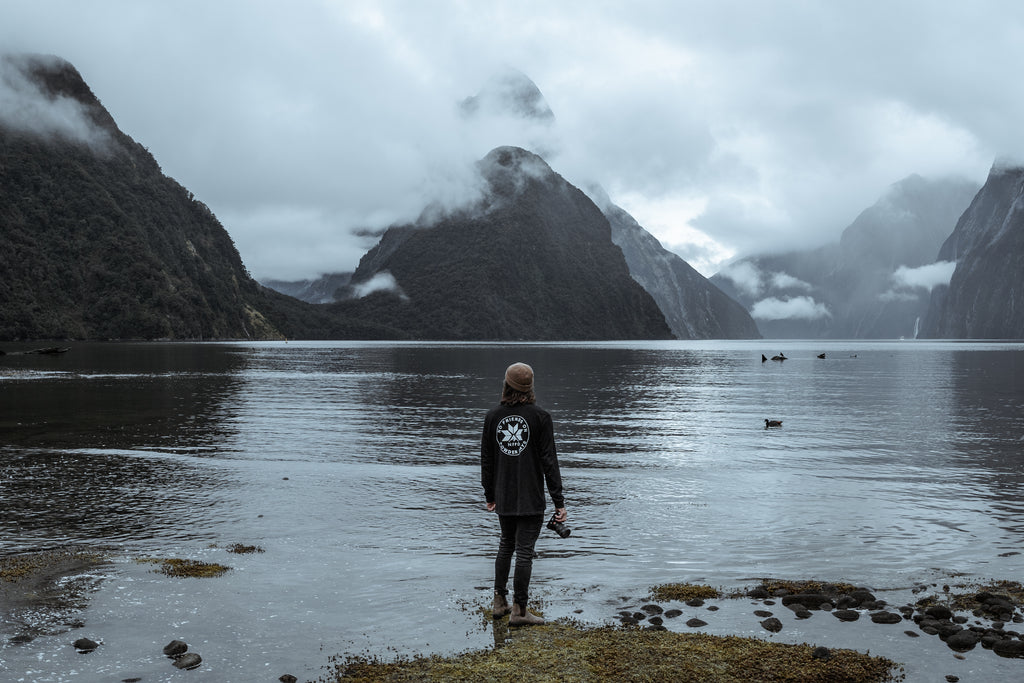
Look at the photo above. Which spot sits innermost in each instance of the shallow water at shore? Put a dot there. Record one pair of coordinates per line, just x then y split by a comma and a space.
355, 466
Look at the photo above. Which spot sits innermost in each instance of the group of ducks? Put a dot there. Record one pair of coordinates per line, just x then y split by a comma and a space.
782, 357
768, 424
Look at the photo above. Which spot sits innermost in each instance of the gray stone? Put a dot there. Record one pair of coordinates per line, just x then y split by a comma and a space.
963, 641
1009, 648
773, 625
808, 600
84, 645
189, 660
175, 648
939, 612
886, 618
847, 614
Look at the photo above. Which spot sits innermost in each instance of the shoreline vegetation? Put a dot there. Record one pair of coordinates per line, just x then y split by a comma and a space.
572, 652
639, 648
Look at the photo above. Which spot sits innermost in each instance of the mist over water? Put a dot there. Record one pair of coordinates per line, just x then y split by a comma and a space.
355, 466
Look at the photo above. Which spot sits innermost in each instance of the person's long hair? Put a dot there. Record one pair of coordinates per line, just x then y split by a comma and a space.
514, 397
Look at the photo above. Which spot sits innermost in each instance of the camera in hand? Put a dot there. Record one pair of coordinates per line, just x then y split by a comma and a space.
558, 527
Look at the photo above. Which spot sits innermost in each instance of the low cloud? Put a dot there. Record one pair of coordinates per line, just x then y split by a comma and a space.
924, 277
787, 281
745, 276
381, 282
907, 281
24, 107
798, 307
752, 281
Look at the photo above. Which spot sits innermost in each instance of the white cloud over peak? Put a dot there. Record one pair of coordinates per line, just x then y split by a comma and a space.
799, 307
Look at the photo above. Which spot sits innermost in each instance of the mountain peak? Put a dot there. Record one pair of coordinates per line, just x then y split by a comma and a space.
509, 92
47, 96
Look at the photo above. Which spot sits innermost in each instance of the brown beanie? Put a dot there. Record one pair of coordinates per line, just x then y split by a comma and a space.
519, 376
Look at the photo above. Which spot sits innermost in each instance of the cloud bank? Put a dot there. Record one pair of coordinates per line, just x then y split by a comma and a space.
799, 307
906, 282
726, 131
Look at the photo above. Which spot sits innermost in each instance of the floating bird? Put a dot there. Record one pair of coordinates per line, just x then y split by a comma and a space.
781, 356
772, 423
821, 355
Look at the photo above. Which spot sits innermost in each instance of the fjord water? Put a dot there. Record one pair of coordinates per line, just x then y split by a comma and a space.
355, 467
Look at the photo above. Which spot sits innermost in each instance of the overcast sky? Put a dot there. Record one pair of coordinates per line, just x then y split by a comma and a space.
725, 128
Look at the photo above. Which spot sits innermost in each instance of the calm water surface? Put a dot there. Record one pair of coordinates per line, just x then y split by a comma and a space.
355, 467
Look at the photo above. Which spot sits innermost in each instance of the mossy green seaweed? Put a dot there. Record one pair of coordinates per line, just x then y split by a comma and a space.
564, 652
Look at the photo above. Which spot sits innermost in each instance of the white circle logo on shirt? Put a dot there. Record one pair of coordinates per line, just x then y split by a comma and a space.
513, 434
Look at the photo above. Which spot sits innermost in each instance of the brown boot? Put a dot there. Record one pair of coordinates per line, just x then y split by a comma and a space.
501, 607
523, 617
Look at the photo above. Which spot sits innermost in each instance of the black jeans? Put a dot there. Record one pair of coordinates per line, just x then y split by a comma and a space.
518, 535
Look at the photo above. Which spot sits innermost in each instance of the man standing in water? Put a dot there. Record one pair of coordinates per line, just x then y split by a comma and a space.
517, 456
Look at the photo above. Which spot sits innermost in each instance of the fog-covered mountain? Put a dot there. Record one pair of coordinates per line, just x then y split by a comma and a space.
322, 290
693, 307
985, 295
534, 259
873, 284
96, 242
509, 92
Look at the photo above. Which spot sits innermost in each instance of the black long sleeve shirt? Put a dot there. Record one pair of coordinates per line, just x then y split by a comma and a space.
517, 457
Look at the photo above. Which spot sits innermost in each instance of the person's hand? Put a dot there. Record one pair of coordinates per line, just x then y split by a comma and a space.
491, 507
561, 515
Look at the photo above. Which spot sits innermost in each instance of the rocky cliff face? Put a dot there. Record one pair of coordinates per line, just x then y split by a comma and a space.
693, 307
873, 284
533, 260
96, 242
985, 296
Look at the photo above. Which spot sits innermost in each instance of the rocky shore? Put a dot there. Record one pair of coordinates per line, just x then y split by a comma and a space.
654, 636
